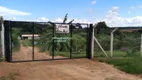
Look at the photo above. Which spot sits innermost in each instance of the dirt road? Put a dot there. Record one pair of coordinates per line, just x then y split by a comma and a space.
26, 53
77, 69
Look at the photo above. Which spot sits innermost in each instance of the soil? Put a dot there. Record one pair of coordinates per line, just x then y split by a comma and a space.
25, 53
71, 69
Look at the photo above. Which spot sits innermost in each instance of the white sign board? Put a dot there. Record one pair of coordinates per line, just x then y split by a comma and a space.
62, 28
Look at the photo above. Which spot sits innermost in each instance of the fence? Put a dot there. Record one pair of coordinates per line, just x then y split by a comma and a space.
118, 42
32, 41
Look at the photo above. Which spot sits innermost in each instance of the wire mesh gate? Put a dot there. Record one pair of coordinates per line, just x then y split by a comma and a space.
31, 41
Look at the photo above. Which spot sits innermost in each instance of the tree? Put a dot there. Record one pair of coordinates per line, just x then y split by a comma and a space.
102, 28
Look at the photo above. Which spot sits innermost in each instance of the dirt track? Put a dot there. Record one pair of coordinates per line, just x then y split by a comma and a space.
77, 69
25, 53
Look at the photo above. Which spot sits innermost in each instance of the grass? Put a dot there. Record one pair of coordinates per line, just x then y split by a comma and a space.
120, 60
11, 76
117, 53
132, 65
67, 54
16, 49
1, 57
97, 54
27, 43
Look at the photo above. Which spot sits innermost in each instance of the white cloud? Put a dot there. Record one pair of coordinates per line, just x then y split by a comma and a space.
13, 18
43, 19
113, 19
6, 12
59, 20
81, 21
136, 7
132, 7
140, 6
75, 20
129, 12
94, 2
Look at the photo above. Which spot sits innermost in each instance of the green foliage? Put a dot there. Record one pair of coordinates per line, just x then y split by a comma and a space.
131, 65
45, 42
27, 43
104, 40
79, 43
102, 28
129, 41
15, 40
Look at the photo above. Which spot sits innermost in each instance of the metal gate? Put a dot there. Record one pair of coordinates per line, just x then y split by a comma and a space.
36, 41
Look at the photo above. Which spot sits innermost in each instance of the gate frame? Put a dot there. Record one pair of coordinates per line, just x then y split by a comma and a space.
8, 40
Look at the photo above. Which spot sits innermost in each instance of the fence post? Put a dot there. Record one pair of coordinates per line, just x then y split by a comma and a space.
111, 42
92, 44
7, 42
2, 36
89, 45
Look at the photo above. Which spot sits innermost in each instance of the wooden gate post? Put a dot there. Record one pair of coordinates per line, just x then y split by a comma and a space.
89, 40
7, 42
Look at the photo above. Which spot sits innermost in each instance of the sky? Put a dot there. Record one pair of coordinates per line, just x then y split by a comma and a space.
116, 13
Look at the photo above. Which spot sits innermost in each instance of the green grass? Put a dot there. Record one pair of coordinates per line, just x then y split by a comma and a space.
132, 65
67, 54
129, 64
16, 49
116, 53
27, 43
97, 54
11, 76
1, 59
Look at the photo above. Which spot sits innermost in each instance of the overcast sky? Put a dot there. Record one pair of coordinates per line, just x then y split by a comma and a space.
113, 12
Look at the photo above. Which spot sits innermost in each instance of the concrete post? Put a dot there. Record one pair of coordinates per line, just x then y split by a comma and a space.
2, 36
111, 42
92, 51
